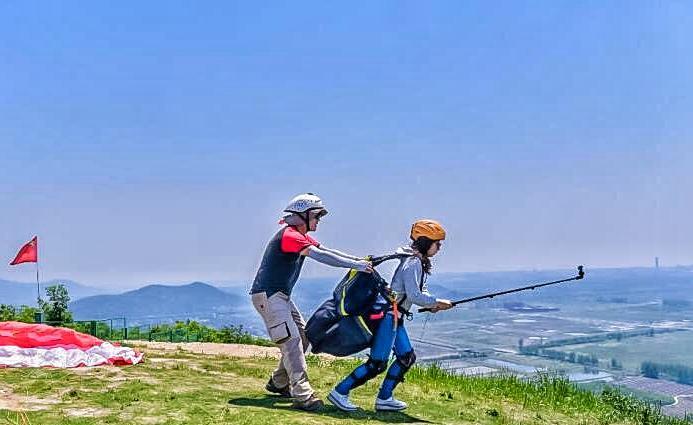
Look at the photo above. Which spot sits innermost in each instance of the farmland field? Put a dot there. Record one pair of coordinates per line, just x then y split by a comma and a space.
664, 348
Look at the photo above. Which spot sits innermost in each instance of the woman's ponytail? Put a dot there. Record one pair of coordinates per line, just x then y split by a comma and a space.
422, 244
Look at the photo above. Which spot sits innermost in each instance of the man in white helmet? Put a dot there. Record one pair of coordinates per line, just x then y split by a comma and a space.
271, 292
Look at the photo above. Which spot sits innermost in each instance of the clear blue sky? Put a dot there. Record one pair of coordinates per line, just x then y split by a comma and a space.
158, 141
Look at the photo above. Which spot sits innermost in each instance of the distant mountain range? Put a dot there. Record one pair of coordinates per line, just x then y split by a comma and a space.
20, 293
162, 303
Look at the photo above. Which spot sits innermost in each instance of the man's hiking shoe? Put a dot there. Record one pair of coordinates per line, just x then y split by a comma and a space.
284, 391
312, 404
341, 401
391, 404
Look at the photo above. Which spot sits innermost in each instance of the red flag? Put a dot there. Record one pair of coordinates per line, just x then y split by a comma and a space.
28, 253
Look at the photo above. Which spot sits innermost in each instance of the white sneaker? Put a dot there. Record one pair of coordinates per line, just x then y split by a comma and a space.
341, 401
390, 404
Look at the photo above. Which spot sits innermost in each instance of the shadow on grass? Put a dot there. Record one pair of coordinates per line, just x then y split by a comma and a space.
276, 402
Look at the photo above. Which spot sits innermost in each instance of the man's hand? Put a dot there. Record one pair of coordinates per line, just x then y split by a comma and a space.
366, 266
441, 305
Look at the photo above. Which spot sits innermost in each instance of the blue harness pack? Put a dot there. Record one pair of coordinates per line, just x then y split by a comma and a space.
345, 324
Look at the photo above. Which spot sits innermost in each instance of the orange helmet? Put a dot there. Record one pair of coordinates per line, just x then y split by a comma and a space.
428, 228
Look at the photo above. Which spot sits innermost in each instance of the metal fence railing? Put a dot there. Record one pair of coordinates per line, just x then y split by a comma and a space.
109, 329
116, 329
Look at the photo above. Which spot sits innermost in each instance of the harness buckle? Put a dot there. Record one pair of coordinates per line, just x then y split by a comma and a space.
392, 295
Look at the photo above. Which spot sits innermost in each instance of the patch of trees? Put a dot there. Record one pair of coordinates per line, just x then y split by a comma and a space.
613, 300
24, 313
190, 330
677, 372
55, 310
570, 357
675, 304
609, 336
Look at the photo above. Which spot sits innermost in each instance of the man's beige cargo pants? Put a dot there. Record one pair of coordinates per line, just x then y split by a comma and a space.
286, 328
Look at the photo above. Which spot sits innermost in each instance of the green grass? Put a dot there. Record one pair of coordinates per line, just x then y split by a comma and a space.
649, 396
185, 388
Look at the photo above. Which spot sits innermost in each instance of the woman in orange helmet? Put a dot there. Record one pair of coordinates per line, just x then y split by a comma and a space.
409, 285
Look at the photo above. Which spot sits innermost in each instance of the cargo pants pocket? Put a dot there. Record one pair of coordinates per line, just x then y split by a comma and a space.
279, 333
277, 315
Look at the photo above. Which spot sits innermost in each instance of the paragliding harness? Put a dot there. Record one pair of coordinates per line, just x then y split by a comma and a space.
345, 324
400, 305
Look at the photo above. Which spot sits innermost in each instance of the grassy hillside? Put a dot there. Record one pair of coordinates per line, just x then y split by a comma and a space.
179, 387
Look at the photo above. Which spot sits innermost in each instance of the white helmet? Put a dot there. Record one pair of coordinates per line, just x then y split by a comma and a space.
305, 202
299, 208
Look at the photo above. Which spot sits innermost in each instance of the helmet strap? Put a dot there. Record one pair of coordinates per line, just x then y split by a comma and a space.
306, 218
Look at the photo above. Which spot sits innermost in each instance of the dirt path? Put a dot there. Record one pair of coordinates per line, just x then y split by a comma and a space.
235, 350
15, 402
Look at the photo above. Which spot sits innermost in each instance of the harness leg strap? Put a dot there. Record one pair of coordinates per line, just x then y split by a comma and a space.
372, 368
400, 366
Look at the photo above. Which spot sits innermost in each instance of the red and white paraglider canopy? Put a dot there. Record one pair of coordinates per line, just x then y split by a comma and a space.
35, 345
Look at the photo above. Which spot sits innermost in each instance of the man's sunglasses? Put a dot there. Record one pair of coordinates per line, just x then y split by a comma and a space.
319, 214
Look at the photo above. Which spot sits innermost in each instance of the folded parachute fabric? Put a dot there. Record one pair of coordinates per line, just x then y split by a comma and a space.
35, 345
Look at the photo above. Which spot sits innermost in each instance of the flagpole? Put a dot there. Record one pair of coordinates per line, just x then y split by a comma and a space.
38, 286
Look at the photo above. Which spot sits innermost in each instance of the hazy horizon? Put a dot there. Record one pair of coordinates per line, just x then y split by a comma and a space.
329, 273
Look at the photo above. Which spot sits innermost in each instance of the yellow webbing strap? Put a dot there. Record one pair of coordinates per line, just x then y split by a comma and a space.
364, 325
352, 275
